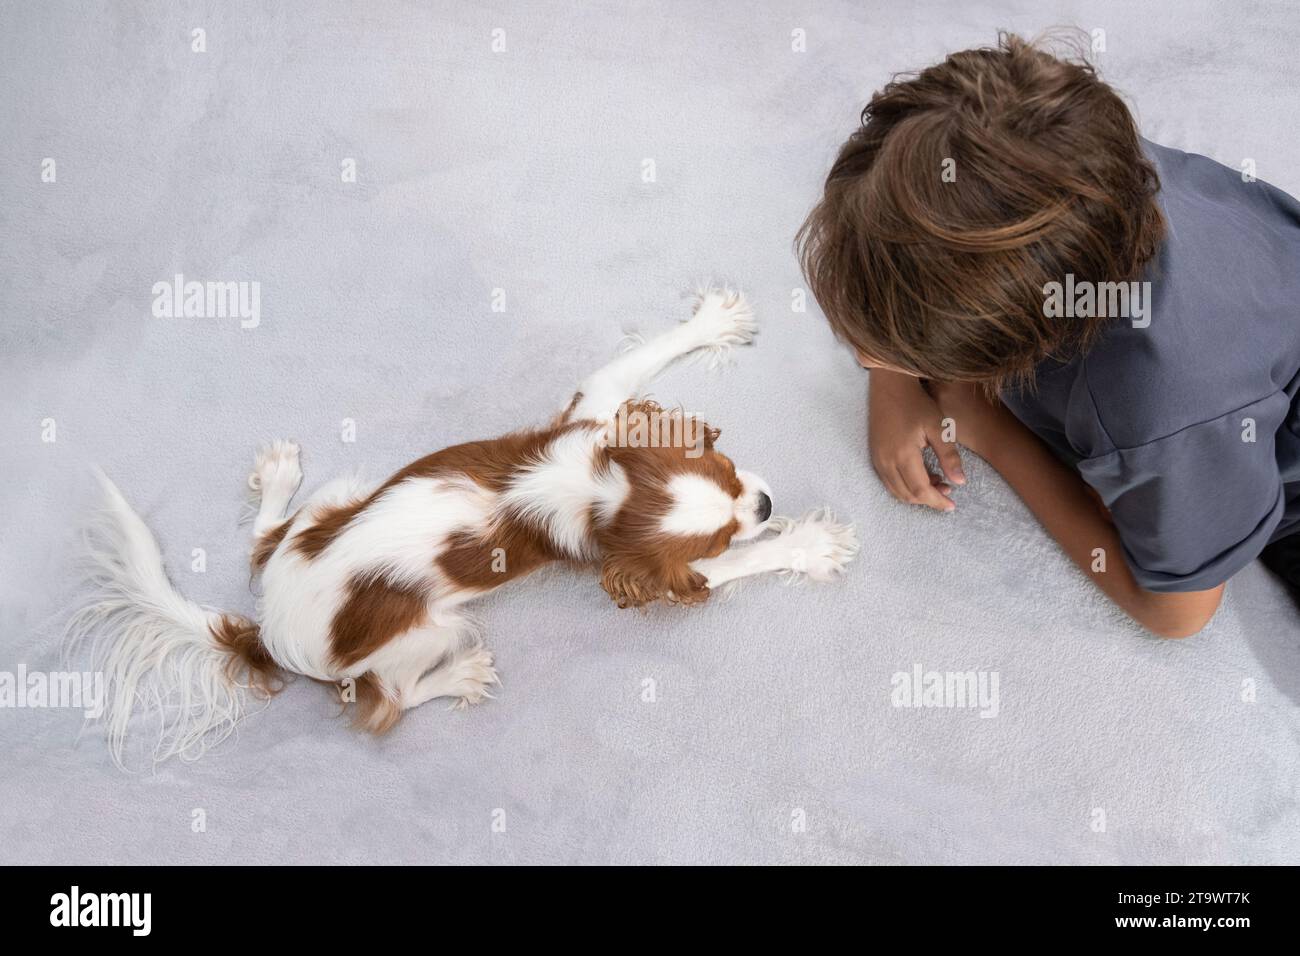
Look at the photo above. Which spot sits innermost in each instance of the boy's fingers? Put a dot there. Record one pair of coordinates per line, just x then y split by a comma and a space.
894, 485
916, 479
949, 459
886, 474
939, 482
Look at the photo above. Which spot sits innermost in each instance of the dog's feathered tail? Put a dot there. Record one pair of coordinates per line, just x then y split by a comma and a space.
188, 667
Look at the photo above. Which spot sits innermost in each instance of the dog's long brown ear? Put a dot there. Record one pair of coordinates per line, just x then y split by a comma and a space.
686, 586
634, 581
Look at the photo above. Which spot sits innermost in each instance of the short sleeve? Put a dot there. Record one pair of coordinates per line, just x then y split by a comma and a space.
1195, 507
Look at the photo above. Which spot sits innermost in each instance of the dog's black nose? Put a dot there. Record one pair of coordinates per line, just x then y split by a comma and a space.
764, 507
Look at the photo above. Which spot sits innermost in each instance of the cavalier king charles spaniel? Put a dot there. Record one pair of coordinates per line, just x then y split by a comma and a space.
363, 586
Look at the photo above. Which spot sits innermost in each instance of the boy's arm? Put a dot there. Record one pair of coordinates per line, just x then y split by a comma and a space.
1065, 506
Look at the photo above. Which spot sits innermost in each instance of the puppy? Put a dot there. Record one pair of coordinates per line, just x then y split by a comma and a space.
363, 586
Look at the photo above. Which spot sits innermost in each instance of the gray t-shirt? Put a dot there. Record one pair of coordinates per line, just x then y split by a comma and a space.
1188, 426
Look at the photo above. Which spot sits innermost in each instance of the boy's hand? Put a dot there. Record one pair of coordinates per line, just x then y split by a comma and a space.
901, 420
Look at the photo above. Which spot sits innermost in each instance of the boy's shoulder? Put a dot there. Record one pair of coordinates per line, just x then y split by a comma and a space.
1216, 326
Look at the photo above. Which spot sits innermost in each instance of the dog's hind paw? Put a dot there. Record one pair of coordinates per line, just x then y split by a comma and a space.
276, 467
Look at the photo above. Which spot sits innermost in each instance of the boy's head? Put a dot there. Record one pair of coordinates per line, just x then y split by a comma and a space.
967, 188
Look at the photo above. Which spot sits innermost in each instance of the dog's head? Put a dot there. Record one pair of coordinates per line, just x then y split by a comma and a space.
685, 501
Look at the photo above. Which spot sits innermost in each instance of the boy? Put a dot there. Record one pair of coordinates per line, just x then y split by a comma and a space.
1113, 325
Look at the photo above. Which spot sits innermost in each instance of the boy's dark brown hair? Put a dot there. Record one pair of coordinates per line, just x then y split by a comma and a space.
943, 275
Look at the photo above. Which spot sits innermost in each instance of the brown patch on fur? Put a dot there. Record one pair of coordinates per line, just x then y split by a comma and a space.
573, 404
265, 545
327, 524
490, 464
371, 708
374, 612
249, 661
374, 710
471, 561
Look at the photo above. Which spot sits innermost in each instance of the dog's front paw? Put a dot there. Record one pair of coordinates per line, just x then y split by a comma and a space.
818, 546
723, 319
276, 467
